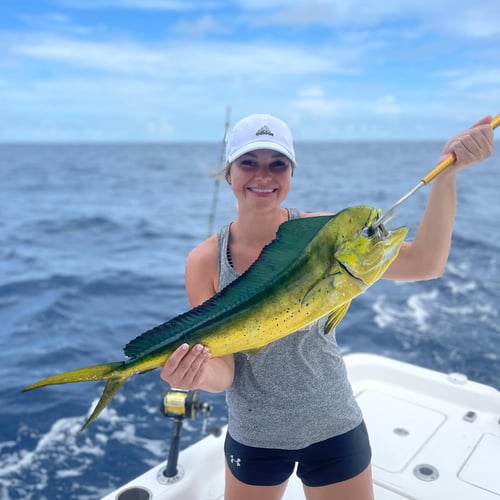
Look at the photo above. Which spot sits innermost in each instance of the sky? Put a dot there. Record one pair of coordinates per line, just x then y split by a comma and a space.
169, 70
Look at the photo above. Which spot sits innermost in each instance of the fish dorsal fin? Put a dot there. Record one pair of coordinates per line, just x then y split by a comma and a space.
276, 259
336, 317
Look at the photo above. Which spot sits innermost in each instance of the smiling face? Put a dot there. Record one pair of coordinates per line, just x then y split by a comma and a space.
260, 179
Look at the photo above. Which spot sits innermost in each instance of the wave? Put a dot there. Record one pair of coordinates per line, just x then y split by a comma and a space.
93, 250
131, 435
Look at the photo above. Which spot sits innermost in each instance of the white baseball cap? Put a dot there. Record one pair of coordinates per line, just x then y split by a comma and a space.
259, 132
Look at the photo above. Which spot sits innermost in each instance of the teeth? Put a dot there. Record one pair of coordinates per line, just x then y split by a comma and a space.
262, 190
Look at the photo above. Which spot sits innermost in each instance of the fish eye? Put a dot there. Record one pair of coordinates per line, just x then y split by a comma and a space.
378, 231
367, 231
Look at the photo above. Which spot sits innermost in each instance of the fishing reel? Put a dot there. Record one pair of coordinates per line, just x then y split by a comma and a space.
179, 405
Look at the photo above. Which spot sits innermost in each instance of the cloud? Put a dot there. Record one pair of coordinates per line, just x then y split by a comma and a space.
183, 60
387, 105
314, 100
471, 87
302, 15
200, 27
108, 57
56, 22
458, 17
98, 75
168, 5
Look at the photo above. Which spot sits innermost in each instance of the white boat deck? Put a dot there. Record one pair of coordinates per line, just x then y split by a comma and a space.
433, 435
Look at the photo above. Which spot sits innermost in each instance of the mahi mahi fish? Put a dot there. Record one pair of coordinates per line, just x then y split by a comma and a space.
314, 267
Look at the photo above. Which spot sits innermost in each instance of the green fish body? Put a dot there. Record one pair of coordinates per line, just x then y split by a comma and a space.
315, 267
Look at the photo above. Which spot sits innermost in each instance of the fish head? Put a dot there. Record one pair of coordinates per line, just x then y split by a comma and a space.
364, 254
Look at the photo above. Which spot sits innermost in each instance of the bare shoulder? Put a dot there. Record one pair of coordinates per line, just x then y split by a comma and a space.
204, 253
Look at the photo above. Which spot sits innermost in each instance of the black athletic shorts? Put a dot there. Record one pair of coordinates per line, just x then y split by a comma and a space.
331, 461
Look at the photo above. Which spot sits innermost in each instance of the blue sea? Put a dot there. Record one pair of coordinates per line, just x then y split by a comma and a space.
93, 243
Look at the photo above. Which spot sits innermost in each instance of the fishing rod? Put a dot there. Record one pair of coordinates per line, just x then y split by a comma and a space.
217, 174
448, 161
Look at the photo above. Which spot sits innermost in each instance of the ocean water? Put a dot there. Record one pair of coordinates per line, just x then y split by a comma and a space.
93, 242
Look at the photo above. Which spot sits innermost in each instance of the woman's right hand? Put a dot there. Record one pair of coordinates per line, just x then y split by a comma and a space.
192, 367
185, 368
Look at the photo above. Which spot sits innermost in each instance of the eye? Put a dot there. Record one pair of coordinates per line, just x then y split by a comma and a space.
379, 231
279, 165
247, 163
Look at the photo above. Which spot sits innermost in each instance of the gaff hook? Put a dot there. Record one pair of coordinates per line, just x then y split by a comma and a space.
448, 161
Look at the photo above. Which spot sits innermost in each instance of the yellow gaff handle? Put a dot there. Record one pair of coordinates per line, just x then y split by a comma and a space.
450, 159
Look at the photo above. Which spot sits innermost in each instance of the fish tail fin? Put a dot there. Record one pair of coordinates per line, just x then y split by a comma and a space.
112, 372
112, 386
87, 374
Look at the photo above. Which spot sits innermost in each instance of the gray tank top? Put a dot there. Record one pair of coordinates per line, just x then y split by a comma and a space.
295, 391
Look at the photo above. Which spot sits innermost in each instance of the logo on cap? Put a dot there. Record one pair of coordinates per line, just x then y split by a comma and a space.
264, 131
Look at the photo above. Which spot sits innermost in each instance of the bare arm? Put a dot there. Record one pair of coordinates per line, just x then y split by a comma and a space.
426, 256
190, 367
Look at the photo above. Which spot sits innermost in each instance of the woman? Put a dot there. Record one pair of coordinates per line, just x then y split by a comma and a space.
292, 403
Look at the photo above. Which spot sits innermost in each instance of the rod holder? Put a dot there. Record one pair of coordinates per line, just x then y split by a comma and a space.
179, 405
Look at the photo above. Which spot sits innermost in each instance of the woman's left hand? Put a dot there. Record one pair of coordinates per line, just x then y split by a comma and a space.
471, 145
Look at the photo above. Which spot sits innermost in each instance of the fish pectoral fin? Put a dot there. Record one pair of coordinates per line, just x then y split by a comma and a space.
336, 317
320, 288
252, 352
